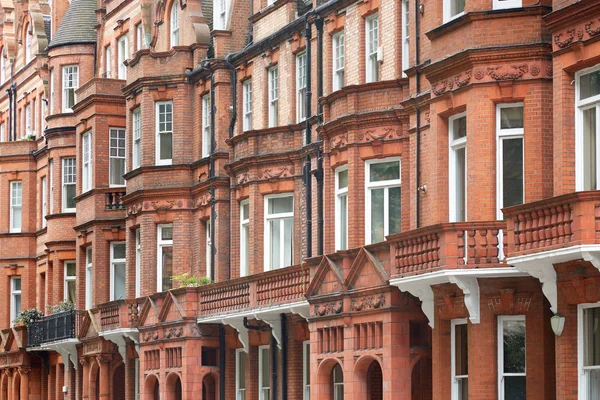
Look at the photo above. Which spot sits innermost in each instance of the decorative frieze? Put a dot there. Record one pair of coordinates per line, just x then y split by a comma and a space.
367, 302
285, 171
329, 308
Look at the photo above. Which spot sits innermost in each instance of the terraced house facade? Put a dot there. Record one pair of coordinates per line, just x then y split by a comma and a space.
284, 199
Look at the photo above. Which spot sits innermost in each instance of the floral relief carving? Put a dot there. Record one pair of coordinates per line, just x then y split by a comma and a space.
163, 205
460, 82
534, 70
479, 74
134, 209
549, 70
371, 135
278, 172
338, 141
428, 116
174, 332
367, 302
203, 200
517, 72
332, 307
439, 88
572, 34
242, 178
150, 336
592, 31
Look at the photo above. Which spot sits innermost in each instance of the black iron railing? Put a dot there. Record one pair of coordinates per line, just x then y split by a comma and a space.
53, 328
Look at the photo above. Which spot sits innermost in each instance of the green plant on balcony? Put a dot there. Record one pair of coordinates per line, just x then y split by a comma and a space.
28, 316
28, 138
63, 306
191, 280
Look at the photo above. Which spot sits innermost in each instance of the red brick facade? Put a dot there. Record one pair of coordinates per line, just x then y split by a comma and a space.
364, 200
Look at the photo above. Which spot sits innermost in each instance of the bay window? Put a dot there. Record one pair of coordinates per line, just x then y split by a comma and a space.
301, 87
587, 125
372, 48
338, 60
69, 176
588, 343
240, 374
459, 359
16, 206
70, 84
206, 131
341, 208
15, 298
137, 138
383, 200
28, 44
51, 173
164, 133
117, 157
117, 271
511, 358
453, 9
164, 258
264, 372
510, 156
51, 89
28, 122
70, 282
279, 231
247, 104
458, 167
139, 37
86, 175
244, 236
273, 96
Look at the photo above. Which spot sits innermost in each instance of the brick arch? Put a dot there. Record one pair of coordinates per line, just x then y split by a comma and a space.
94, 380
420, 379
151, 388
16, 385
117, 380
365, 369
4, 378
174, 387
210, 386
325, 378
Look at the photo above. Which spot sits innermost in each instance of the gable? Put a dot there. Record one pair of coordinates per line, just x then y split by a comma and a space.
148, 313
366, 272
171, 309
328, 279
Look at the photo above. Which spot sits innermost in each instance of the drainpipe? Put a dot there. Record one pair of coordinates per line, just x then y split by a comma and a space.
307, 162
233, 94
213, 217
284, 357
319, 26
418, 127
14, 120
222, 361
274, 368
213, 142
319, 173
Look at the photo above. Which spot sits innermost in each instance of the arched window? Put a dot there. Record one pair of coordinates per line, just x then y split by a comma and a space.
28, 40
338, 383
175, 24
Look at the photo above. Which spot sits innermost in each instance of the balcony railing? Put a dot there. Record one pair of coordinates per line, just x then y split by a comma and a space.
113, 200
116, 315
563, 221
448, 246
54, 327
281, 286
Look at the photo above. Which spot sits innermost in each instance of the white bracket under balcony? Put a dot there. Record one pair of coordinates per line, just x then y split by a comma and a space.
66, 348
270, 315
117, 336
466, 279
541, 266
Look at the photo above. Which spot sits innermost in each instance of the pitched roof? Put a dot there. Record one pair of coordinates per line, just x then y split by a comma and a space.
77, 25
48, 26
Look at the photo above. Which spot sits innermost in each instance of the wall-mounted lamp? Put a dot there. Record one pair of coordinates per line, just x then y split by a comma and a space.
421, 9
422, 189
557, 322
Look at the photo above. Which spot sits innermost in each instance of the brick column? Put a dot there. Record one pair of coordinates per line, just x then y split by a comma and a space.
104, 363
86, 378
24, 372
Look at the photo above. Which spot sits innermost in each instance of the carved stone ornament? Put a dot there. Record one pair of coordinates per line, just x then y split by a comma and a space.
428, 116
203, 200
278, 172
338, 141
150, 336
592, 31
25, 370
549, 70
134, 209
510, 302
534, 70
332, 307
479, 74
517, 72
242, 178
386, 133
162, 205
439, 88
571, 34
176, 332
367, 302
463, 79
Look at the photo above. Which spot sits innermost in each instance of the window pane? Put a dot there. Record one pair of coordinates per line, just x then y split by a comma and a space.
589, 85
377, 215
275, 244
463, 388
242, 370
17, 218
71, 291
514, 347
167, 267
384, 171
71, 269
460, 184
166, 150
117, 170
16, 284
511, 117
512, 169
119, 281
591, 332
166, 233
17, 304
459, 127
395, 211
593, 379
461, 351
589, 149
288, 237
514, 387
265, 368
280, 205
458, 6
343, 218
245, 211
70, 193
343, 179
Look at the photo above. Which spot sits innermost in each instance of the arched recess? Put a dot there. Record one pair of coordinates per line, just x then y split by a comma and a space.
174, 387
94, 381
368, 377
325, 378
3, 385
151, 388
16, 385
420, 380
118, 382
209, 387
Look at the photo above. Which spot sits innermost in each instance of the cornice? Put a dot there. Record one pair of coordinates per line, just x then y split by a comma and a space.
244, 136
363, 88
363, 120
100, 222
157, 168
579, 11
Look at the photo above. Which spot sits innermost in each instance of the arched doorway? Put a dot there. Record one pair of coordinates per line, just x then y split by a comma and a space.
16, 385
420, 380
118, 383
174, 388
151, 388
209, 388
94, 381
374, 382
3, 385
337, 381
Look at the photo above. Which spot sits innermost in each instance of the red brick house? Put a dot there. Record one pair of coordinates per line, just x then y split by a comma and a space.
263, 200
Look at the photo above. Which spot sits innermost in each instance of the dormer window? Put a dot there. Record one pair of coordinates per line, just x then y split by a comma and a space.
175, 24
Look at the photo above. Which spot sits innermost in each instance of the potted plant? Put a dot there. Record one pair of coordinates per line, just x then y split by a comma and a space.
190, 280
28, 316
63, 306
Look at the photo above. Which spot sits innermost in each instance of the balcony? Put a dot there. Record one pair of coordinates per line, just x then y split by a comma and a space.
55, 328
113, 200
116, 321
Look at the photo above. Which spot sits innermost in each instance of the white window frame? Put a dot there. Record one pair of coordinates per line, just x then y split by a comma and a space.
501, 374
73, 177
501, 135
118, 132
113, 262
174, 24
448, 11
73, 72
372, 48
339, 195
28, 128
51, 90
3, 132
69, 278
247, 104
405, 36
505, 4
51, 185
137, 138
16, 203
28, 44
380, 185
2, 67
301, 87
339, 60
209, 244
244, 238
273, 74
89, 285
158, 161
139, 37
261, 384
160, 243
454, 145
44, 200
281, 217
206, 128
240, 393
86, 162
220, 20
454, 377
107, 62
335, 396
14, 293
138, 262
580, 107
123, 55
306, 370
583, 371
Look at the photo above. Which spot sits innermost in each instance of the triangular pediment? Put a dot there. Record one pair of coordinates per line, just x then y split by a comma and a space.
88, 327
171, 310
366, 272
329, 279
148, 313
8, 340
